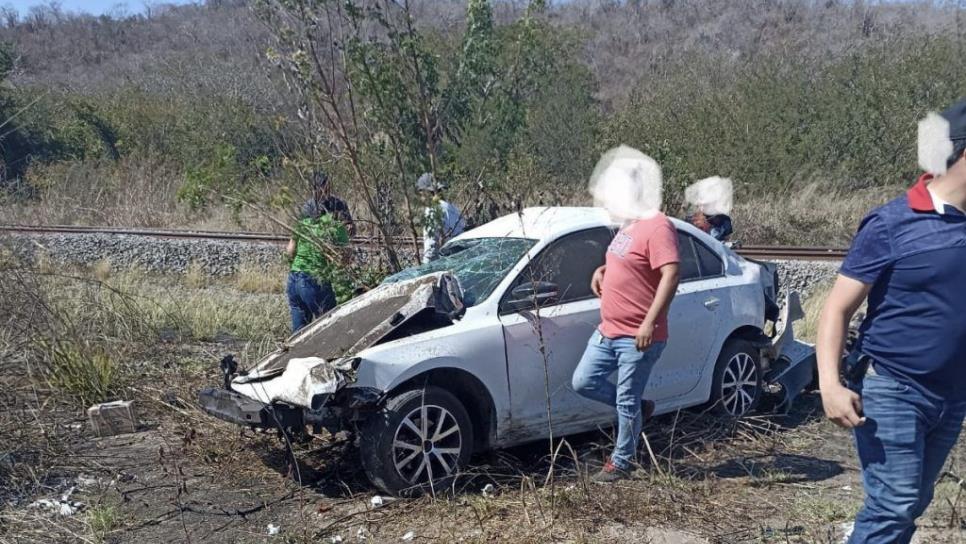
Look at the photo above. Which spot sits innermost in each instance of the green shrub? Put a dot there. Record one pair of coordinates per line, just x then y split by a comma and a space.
781, 121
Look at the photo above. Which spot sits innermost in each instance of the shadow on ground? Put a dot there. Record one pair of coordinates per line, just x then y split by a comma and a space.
697, 444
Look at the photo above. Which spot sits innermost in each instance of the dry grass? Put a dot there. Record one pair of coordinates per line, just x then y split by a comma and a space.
818, 214
194, 276
201, 307
807, 328
101, 270
130, 192
254, 279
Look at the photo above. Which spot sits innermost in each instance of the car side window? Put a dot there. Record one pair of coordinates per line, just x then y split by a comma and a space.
710, 263
688, 269
697, 260
569, 263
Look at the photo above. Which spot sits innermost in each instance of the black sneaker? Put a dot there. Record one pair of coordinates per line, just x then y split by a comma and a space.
610, 473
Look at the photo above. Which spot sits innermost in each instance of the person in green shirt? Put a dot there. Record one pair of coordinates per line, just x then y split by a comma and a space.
314, 238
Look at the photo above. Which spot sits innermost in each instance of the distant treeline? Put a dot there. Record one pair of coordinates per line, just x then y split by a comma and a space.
774, 94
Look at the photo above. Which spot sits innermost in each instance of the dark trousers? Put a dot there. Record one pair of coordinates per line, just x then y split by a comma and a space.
307, 298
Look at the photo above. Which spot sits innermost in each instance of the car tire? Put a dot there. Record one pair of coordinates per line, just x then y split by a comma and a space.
417, 442
737, 386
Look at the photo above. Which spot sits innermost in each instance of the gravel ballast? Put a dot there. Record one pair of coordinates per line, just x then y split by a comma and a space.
157, 255
805, 276
225, 257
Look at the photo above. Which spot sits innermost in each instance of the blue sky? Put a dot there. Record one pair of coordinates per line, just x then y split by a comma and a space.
95, 7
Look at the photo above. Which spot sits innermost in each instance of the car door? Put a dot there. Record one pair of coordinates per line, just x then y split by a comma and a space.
544, 344
693, 321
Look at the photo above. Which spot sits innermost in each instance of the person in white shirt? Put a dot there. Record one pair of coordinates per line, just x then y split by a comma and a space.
441, 219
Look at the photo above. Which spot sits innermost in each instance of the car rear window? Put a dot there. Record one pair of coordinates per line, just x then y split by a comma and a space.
697, 260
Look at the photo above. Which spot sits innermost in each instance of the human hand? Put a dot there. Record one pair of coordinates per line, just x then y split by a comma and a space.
596, 281
842, 406
645, 336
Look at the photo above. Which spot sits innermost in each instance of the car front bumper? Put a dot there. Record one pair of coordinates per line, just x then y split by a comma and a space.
238, 409
345, 406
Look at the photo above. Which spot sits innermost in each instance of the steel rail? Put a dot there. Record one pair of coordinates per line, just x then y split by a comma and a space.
239, 236
752, 251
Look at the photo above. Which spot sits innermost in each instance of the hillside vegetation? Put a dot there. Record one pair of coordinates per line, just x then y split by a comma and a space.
215, 115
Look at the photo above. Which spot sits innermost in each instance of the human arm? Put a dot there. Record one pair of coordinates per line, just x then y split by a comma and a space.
662, 301
290, 248
597, 280
842, 405
870, 255
721, 227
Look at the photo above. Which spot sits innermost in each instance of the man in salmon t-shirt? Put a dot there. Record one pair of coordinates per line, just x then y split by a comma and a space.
636, 285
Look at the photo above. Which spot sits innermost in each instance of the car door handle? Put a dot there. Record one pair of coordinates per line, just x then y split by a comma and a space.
712, 303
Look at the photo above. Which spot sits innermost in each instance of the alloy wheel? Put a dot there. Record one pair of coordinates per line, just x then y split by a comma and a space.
427, 445
739, 385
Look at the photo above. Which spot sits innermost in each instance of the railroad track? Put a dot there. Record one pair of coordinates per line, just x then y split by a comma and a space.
751, 251
792, 253
167, 233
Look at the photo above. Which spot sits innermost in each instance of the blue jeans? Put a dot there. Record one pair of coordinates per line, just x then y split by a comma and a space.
902, 448
307, 298
602, 358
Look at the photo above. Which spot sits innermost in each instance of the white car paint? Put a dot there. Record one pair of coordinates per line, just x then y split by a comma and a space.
503, 352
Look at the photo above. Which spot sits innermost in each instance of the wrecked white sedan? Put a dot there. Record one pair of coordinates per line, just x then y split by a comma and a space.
471, 351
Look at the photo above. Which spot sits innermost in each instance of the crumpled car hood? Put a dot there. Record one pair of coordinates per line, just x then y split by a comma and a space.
319, 359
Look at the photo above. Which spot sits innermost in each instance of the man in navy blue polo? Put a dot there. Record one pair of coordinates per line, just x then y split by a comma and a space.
906, 392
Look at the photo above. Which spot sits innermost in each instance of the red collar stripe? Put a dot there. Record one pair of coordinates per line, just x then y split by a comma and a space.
919, 198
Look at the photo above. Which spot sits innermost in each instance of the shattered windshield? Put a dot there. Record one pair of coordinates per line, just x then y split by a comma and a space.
478, 263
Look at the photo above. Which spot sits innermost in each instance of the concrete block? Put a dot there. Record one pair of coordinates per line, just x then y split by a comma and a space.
111, 418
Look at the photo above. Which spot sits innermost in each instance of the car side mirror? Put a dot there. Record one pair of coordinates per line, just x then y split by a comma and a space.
534, 294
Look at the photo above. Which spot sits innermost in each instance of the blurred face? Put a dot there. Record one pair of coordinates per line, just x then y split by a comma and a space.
627, 184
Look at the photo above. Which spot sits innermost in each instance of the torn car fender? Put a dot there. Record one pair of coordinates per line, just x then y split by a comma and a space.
794, 360
386, 367
794, 371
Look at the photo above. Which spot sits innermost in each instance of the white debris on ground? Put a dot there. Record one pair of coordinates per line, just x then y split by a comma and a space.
377, 501
84, 481
62, 507
489, 490
408, 536
273, 529
336, 539
657, 535
846, 530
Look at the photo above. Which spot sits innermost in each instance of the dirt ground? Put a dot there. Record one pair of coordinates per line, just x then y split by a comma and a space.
187, 478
